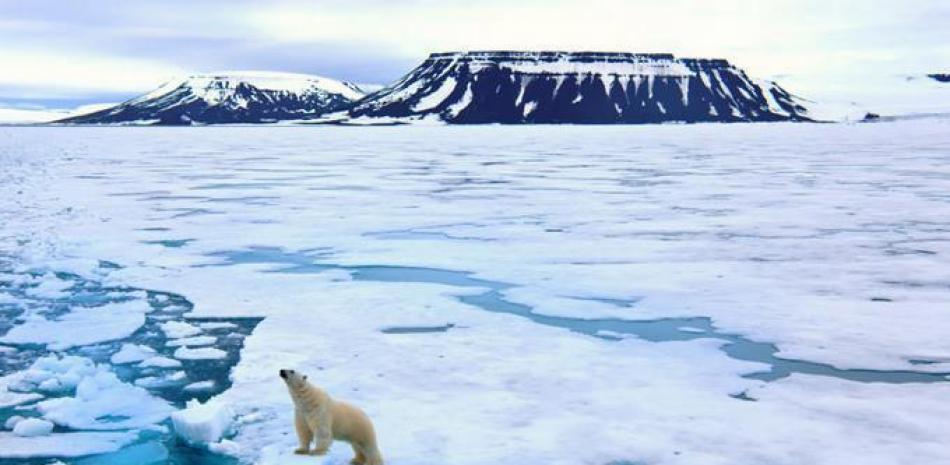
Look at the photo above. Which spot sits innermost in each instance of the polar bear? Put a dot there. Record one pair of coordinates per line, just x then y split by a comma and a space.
319, 418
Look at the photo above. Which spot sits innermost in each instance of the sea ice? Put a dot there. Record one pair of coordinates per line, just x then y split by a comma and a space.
199, 386
192, 341
159, 362
203, 424
169, 379
201, 353
12, 421
825, 240
30, 427
101, 401
179, 329
131, 353
81, 326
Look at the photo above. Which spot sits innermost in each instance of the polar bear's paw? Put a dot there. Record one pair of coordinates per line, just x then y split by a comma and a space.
302, 451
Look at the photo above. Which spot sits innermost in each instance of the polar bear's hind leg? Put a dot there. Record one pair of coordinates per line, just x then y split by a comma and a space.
359, 459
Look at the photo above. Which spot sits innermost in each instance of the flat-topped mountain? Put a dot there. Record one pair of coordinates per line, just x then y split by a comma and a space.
578, 87
232, 97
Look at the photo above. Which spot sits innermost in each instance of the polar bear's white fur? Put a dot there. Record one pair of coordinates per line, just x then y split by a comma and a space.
320, 419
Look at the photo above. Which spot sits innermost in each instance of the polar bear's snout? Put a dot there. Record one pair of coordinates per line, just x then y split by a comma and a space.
283, 373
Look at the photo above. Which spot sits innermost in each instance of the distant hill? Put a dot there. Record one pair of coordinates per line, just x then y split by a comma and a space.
580, 87
236, 97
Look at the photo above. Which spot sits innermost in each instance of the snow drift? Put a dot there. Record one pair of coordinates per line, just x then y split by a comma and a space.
582, 87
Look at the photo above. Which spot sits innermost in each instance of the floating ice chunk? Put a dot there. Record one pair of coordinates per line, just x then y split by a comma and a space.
691, 329
212, 325
31, 427
102, 401
81, 326
59, 374
131, 353
52, 385
203, 353
9, 398
192, 341
200, 386
202, 424
160, 362
225, 447
12, 421
179, 329
63, 444
153, 382
50, 287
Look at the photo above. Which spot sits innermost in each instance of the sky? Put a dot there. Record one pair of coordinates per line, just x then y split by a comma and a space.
61, 54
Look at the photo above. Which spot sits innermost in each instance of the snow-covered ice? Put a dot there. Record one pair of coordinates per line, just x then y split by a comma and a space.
30, 427
159, 362
203, 424
828, 241
80, 326
199, 353
131, 353
179, 329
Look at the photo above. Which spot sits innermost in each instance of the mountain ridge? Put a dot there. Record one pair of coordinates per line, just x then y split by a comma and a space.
230, 97
579, 87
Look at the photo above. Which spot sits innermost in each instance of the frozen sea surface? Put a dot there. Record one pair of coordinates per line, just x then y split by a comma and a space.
703, 294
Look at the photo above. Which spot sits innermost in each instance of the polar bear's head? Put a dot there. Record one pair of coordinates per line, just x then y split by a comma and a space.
293, 378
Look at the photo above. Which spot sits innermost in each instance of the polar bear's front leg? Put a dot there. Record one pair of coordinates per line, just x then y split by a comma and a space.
323, 431
304, 433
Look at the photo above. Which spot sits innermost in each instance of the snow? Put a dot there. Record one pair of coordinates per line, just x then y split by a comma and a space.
80, 326
179, 329
131, 353
174, 378
101, 400
160, 362
192, 341
201, 353
199, 386
213, 325
437, 96
570, 66
12, 421
215, 86
203, 424
31, 427
463, 103
848, 96
529, 108
782, 233
46, 115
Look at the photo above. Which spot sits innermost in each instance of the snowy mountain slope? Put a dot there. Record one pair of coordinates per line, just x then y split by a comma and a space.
46, 115
231, 97
581, 87
851, 95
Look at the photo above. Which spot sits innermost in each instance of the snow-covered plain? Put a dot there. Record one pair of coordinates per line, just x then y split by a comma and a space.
830, 241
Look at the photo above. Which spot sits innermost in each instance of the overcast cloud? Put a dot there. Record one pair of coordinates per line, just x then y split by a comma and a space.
61, 53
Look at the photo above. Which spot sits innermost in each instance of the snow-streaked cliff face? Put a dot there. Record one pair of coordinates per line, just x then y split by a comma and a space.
581, 87
232, 97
